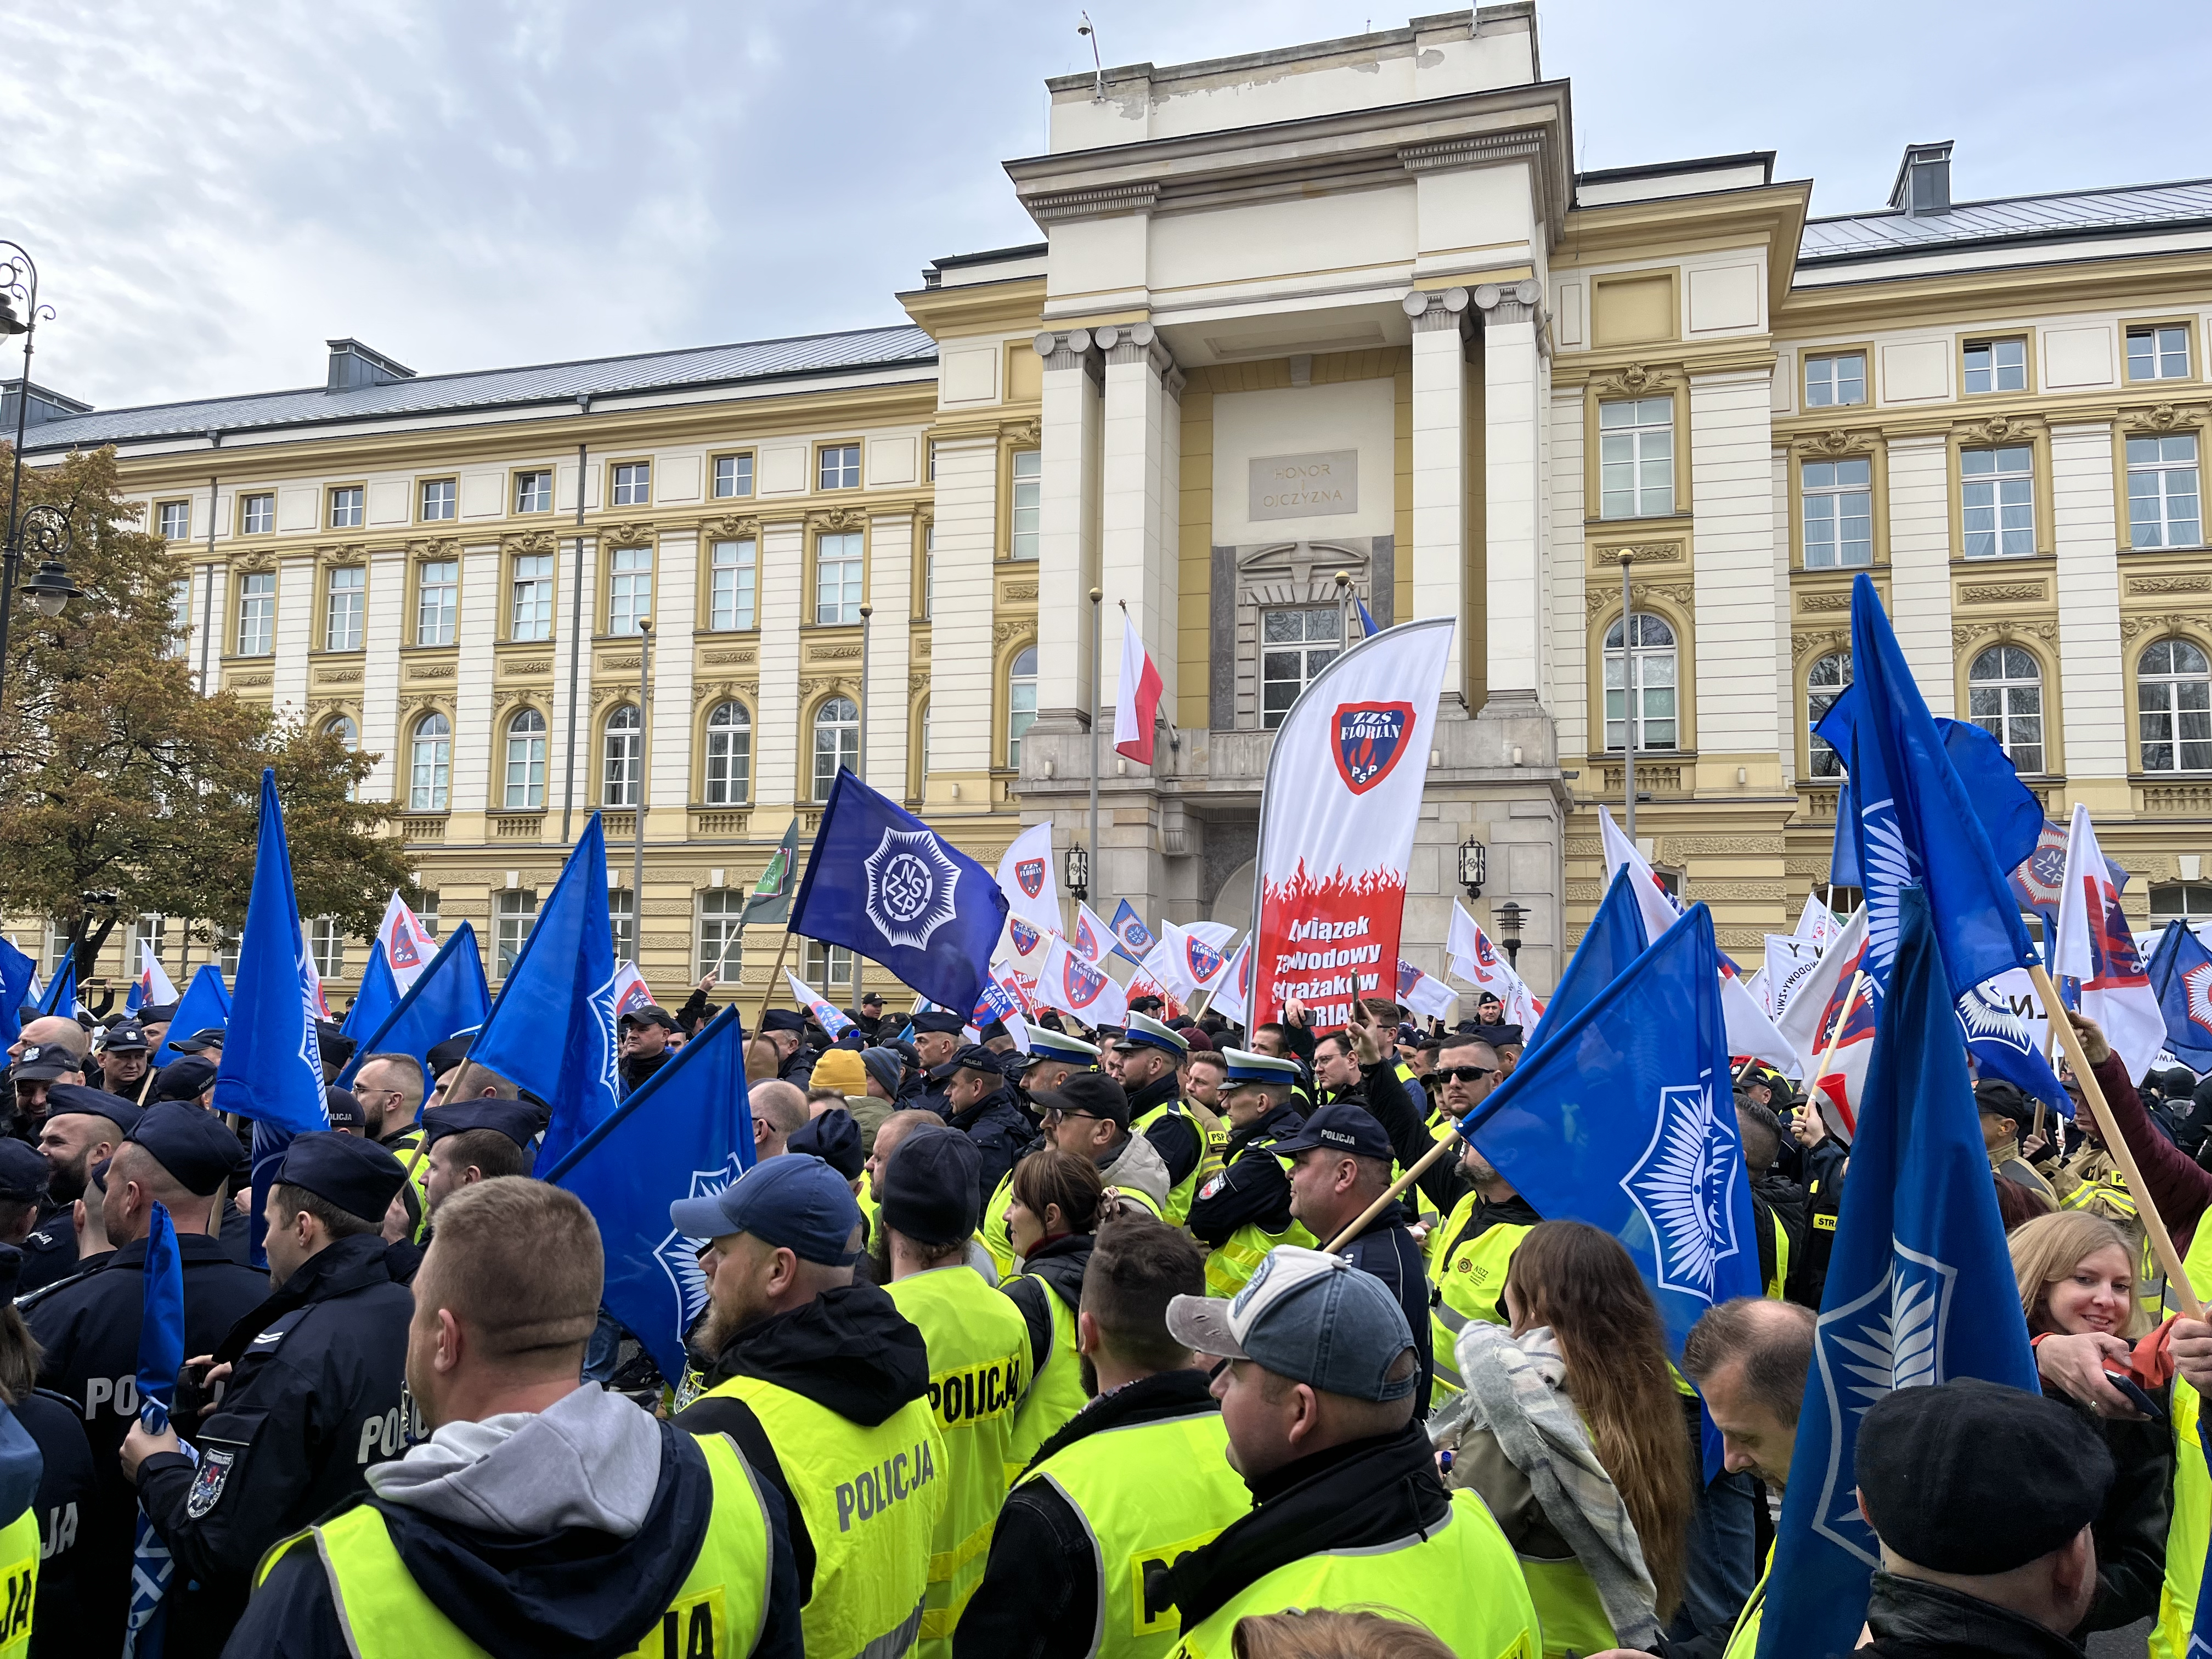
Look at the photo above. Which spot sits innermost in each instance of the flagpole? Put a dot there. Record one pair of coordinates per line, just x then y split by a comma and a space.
1627, 699
575, 654
637, 824
768, 991
1098, 869
861, 771
2162, 1241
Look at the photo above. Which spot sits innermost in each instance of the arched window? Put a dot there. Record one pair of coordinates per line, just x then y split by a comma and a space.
729, 755
1021, 704
2174, 694
837, 742
2004, 698
1823, 685
1639, 685
525, 760
430, 765
344, 729
620, 756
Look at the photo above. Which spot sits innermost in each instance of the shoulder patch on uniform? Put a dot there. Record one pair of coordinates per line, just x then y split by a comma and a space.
1214, 1184
207, 1484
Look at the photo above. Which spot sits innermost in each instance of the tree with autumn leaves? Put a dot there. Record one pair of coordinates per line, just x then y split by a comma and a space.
118, 778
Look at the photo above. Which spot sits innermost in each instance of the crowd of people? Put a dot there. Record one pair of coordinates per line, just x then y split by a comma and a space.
1127, 1341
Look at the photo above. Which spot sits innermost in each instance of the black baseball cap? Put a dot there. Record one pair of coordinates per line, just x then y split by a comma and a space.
23, 1171
42, 1062
182, 1079
834, 1138
123, 1037
649, 1013
356, 1174
974, 1057
794, 1202
1087, 1094
208, 1036
933, 1186
345, 1111
1340, 1126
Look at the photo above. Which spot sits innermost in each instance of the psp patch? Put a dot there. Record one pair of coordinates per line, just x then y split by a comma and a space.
1370, 739
207, 1484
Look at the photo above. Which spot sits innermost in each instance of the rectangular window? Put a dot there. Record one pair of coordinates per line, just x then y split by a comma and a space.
1996, 365
257, 515
829, 966
634, 484
729, 596
176, 521
928, 571
1835, 380
256, 614
515, 912
2163, 510
629, 589
1998, 496
441, 499
342, 608
734, 475
437, 601
1029, 492
533, 492
1837, 497
720, 938
529, 610
837, 566
2158, 353
148, 929
839, 467
180, 618
1636, 457
622, 921
424, 902
326, 938
1295, 645
347, 507
226, 947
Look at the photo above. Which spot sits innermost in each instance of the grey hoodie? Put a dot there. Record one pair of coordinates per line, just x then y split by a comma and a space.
1138, 1167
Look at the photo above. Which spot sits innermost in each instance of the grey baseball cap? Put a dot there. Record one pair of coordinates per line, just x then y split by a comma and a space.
1309, 1317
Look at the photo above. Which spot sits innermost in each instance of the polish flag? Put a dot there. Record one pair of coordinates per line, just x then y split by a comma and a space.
1137, 701
2092, 944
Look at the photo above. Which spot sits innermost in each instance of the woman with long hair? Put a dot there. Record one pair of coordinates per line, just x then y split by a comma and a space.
1571, 1431
2076, 1274
1051, 1216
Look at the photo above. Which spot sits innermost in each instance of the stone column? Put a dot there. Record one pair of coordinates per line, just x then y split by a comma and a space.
1514, 573
1066, 528
1137, 557
779, 748
1440, 473
962, 653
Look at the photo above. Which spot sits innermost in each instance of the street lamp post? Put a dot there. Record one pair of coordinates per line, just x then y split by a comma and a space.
1509, 917
1078, 872
46, 528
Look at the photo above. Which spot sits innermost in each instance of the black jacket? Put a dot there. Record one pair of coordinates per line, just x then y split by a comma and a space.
636, 1068
1052, 1269
1000, 1132
849, 1350
314, 1399
1039, 1597
1777, 1199
799, 1069
1915, 1620
1403, 1109
1176, 1138
1387, 1250
1251, 1188
49, 1251
2131, 1529
69, 1491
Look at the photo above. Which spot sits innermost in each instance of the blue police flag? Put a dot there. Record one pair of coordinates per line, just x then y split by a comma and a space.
17, 970
448, 998
378, 996
60, 995
552, 1031
1132, 940
161, 1356
1920, 1290
272, 1067
1625, 1119
881, 882
2000, 1046
1368, 626
1616, 938
687, 1131
2181, 973
204, 1005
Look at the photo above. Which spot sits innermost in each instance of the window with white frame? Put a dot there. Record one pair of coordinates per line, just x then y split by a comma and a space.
731, 575
2173, 698
634, 484
629, 589
530, 598
2183, 901
525, 760
148, 929
2164, 507
2159, 352
721, 935
57, 942
515, 912
1028, 494
838, 578
1997, 501
343, 728
1640, 683
228, 945
533, 492
1636, 457
734, 475
345, 594
437, 601
928, 571
620, 754
622, 922
442, 499
430, 764
1021, 703
829, 968
1835, 380
1295, 644
1837, 501
347, 507
424, 902
1824, 683
176, 520
326, 939
256, 614
838, 467
1996, 365
257, 515
2004, 698
836, 743
180, 618
729, 755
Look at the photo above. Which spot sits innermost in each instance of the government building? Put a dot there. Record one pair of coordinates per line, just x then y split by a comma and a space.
1341, 308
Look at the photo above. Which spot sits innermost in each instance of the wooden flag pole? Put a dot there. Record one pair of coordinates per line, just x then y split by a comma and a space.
2162, 1241
1397, 1187
769, 991
1835, 1037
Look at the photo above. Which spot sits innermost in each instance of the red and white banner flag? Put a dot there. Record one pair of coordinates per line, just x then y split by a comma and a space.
831, 1020
1027, 879
1076, 987
630, 989
1185, 962
1653, 901
1137, 702
1142, 984
1420, 994
408, 946
1231, 996
1093, 938
1336, 823
2093, 944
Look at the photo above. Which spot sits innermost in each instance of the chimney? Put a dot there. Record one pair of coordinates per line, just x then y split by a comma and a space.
352, 364
1923, 180
45, 406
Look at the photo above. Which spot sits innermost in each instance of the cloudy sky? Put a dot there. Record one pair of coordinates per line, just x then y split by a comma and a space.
213, 190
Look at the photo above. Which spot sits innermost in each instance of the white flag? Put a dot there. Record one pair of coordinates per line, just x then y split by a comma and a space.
154, 988
1078, 987
829, 1019
1817, 922
630, 989
1185, 963
1234, 993
1749, 1031
1093, 938
1800, 1023
1791, 959
2093, 944
1657, 904
1420, 994
1027, 879
408, 946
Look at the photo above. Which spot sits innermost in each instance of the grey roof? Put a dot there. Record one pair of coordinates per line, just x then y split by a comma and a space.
2065, 216
659, 371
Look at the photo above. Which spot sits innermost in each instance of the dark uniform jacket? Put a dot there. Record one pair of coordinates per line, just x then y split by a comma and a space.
1386, 1249
799, 1069
67, 1494
1911, 1620
49, 1251
314, 1399
1176, 1137
1249, 1190
999, 1131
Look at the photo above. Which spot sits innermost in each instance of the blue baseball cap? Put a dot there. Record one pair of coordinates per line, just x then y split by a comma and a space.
795, 1202
1309, 1317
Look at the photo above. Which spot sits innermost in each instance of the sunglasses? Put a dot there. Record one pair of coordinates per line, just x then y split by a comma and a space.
1464, 1073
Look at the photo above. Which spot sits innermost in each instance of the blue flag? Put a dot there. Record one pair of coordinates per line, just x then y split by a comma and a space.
161, 1356
895, 891
448, 998
1616, 938
1132, 940
1920, 1290
1368, 626
272, 1067
1625, 1119
1913, 820
2181, 973
204, 1005
378, 996
552, 1031
60, 996
16, 973
687, 1131
1999, 1044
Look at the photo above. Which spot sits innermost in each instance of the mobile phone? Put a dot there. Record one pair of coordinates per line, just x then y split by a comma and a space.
2141, 1401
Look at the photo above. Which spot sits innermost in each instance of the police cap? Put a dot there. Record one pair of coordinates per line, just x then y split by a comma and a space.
649, 1013
208, 1036
181, 1080
783, 1019
356, 1174
42, 1062
123, 1037
444, 1056
1498, 1036
23, 1171
943, 1021
344, 1109
1344, 1127
1087, 1094
159, 1014
518, 1120
192, 1144
974, 1057
332, 1045
65, 1098
833, 1137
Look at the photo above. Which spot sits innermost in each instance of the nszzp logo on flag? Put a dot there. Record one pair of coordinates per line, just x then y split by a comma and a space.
1030, 874
910, 887
1370, 739
1025, 934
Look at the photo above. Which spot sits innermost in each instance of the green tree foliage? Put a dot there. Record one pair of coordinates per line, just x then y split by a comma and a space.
118, 777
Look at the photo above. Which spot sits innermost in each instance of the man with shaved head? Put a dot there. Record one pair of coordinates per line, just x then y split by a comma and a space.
779, 1109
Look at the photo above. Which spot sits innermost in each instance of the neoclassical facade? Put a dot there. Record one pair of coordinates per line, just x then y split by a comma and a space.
1329, 322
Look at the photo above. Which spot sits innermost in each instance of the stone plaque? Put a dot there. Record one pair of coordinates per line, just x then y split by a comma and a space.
1305, 486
